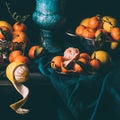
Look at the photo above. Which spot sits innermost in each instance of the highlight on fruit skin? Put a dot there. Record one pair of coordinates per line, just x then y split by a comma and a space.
56, 62
109, 22
35, 51
6, 24
17, 72
101, 55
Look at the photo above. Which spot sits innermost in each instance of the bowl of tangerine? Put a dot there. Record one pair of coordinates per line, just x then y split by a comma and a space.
75, 62
97, 32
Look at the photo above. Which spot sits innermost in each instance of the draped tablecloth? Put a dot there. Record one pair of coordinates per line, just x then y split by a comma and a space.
85, 97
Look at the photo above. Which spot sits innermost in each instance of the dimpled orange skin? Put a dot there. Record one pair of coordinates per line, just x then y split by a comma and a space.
31, 52
115, 33
56, 62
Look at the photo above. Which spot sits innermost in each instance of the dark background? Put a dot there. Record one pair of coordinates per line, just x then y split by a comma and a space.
43, 99
75, 11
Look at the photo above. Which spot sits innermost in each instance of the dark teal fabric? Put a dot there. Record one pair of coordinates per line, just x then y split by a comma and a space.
86, 97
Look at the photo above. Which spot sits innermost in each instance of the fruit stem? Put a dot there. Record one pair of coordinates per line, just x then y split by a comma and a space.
15, 16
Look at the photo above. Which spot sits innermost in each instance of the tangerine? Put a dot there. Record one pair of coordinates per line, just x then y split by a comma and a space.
77, 68
31, 52
19, 26
95, 22
88, 33
14, 54
21, 58
84, 55
95, 64
115, 33
79, 30
56, 62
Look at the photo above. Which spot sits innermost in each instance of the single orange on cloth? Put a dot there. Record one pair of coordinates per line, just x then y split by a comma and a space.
34, 51
14, 54
18, 73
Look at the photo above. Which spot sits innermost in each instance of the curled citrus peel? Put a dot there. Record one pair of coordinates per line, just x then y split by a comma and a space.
18, 73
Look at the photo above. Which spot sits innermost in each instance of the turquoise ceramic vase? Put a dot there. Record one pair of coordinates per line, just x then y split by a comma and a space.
49, 15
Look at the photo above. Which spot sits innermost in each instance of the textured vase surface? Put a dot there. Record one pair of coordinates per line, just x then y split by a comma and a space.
49, 16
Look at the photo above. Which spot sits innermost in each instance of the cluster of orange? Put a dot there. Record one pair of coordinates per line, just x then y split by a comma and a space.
17, 55
17, 33
80, 64
96, 25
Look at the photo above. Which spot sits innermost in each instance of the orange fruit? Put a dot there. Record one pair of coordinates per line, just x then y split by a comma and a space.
101, 55
95, 64
14, 54
31, 52
84, 55
77, 68
83, 60
115, 33
114, 45
34, 51
56, 62
79, 30
101, 31
19, 26
17, 71
21, 58
20, 37
88, 33
95, 22
84, 22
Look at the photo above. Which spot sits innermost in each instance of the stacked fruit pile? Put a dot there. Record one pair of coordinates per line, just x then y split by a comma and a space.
75, 61
97, 29
17, 38
17, 65
102, 29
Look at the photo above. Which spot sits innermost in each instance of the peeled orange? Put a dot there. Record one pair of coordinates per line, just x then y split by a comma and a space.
17, 71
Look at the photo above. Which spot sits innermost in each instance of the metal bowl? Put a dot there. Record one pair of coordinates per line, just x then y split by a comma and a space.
89, 45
